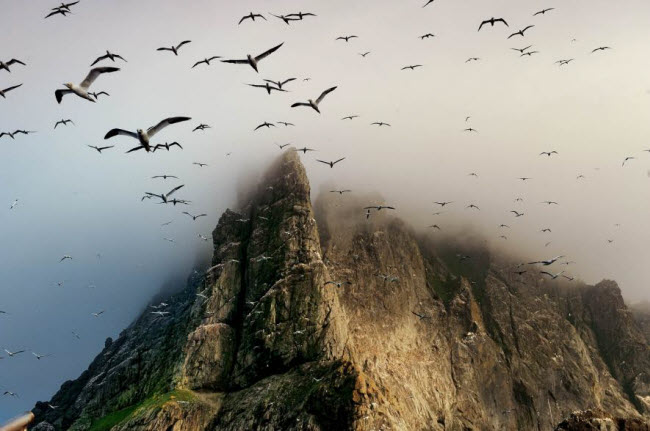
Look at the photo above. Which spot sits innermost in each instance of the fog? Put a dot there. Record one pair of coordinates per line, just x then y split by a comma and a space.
74, 201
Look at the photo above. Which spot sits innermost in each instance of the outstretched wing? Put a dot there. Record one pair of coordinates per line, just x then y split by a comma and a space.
164, 123
502, 20
182, 43
114, 132
13, 60
300, 104
94, 73
288, 80
269, 52
172, 191
324, 93
12, 88
235, 61
342, 158
99, 59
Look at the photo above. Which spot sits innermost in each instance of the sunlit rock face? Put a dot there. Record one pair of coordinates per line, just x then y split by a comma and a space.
407, 337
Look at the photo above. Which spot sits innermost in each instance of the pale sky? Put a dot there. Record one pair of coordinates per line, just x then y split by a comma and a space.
74, 201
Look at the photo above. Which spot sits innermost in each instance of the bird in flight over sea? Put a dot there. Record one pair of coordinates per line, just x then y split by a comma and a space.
601, 48
194, 217
547, 262
97, 314
548, 153
346, 38
12, 354
350, 117
529, 53
268, 87
8, 89
252, 17
543, 11
100, 149
331, 164
280, 84
304, 150
253, 61
265, 124
443, 204
6, 65
165, 197
521, 32
286, 124
314, 103
553, 276
492, 21
379, 207
412, 67
174, 49
99, 93
108, 56
13, 204
521, 50
427, 36
143, 136
64, 122
166, 146
81, 90
39, 357
516, 213
380, 124
65, 257
300, 15
206, 61
164, 177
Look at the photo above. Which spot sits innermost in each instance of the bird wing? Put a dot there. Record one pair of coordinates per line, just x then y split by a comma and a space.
94, 73
11, 88
115, 132
322, 161
482, 24
13, 60
287, 80
243, 18
164, 123
300, 104
182, 43
342, 158
140, 147
269, 52
164, 49
177, 144
526, 28
185, 212
99, 59
172, 191
502, 20
323, 94
235, 61
100, 149
197, 63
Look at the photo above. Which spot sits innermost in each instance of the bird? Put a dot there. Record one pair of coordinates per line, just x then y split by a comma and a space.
164, 197
443, 204
548, 153
280, 84
517, 214
100, 149
66, 5
167, 223
285, 124
287, 20
568, 278
164, 177
331, 164
521, 50
174, 49
546, 230
65, 257
553, 276
350, 117
525, 178
300, 15
364, 54
379, 207
99, 93
543, 11
504, 225
22, 132
108, 56
412, 67
550, 203
143, 136
473, 174
201, 127
472, 59
314, 103
268, 87
12, 354
203, 237
252, 17
166, 146
338, 283
428, 3
346, 38
282, 146
160, 313
492, 21
253, 61
58, 11
521, 32
6, 65
472, 206
76, 335
469, 129
11, 394
340, 191
64, 122
547, 262
529, 53
564, 62
8, 89
97, 314
435, 226
380, 124
81, 90
206, 61
39, 356
626, 159
169, 240
601, 48
265, 124
193, 216
427, 36
304, 150
200, 165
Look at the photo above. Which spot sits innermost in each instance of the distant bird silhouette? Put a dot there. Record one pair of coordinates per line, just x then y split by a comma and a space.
521, 32
548, 153
252, 17
314, 104
529, 53
6, 65
412, 67
200, 165
174, 49
338, 283
164, 197
64, 122
521, 50
547, 262
99, 93
380, 124
206, 61
164, 177
108, 56
350, 117
285, 124
340, 191
426, 36
379, 207
627, 159
472, 59
100, 149
282, 146
443, 204
97, 314
363, 54
300, 15
267, 86
201, 127
516, 213
428, 3
601, 48
543, 11
492, 21
265, 124
346, 38
8, 89
469, 129
253, 61
194, 217
553, 276
331, 164
143, 136
304, 150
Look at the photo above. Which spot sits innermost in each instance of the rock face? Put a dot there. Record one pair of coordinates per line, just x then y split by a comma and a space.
412, 339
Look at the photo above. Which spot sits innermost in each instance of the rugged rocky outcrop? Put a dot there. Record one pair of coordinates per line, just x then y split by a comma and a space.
407, 337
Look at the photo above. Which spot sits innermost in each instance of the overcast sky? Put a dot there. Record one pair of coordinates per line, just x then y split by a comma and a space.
74, 201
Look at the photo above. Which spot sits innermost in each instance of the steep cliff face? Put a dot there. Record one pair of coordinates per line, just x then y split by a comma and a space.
408, 337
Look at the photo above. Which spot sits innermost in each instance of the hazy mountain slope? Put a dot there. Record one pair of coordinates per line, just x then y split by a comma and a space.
269, 345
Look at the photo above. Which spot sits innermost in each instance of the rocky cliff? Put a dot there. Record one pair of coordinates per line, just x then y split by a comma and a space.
408, 337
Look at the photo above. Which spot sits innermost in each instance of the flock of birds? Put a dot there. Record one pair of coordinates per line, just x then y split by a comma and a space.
145, 137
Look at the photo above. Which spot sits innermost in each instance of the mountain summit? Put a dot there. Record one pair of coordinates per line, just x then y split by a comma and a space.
329, 321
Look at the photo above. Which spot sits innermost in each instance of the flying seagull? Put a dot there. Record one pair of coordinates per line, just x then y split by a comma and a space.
340, 191
314, 104
164, 177
206, 61
427, 36
472, 59
517, 214
165, 197
547, 153
443, 204
265, 124
64, 122
252, 17
304, 150
99, 93
285, 124
363, 54
428, 3
65, 257
100, 149
58, 11
174, 49
529, 53
194, 217
108, 56
282, 146
8, 89
39, 356
521, 32
166, 146
200, 165
543, 11
553, 276
331, 164
65, 5
279, 84
268, 87
287, 20
350, 117
81, 90
253, 61
346, 38
626, 159
601, 48
379, 207
412, 67
97, 314
12, 354
521, 50
300, 15
492, 21
201, 127
380, 124
547, 262
6, 65
145, 136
